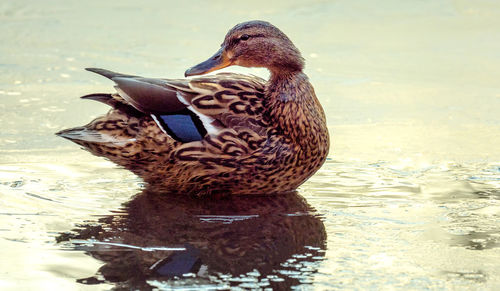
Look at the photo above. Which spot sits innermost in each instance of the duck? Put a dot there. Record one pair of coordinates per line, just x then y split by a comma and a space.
216, 134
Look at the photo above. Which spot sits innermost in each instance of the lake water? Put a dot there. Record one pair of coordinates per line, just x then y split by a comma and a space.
408, 199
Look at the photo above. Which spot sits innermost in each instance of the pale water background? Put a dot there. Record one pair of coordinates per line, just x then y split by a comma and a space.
409, 198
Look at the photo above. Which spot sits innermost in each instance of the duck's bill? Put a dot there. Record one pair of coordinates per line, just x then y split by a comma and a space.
218, 61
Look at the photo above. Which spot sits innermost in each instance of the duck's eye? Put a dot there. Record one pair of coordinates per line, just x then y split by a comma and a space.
244, 37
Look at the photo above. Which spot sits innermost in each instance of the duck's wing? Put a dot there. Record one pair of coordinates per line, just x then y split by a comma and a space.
189, 109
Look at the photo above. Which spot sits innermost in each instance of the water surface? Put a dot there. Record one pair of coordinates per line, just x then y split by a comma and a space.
408, 199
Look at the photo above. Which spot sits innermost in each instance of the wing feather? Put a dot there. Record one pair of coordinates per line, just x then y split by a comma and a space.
225, 101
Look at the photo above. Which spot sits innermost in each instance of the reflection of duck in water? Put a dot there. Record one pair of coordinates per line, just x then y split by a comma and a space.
226, 133
232, 236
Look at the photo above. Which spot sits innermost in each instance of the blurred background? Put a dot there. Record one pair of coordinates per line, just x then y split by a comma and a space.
414, 64
412, 94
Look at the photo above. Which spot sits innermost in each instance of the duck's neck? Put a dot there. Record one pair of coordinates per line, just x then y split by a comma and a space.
294, 110
286, 86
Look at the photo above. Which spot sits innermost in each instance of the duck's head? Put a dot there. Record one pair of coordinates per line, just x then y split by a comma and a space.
254, 44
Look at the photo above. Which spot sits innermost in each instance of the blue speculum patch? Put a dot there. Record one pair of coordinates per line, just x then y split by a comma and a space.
182, 126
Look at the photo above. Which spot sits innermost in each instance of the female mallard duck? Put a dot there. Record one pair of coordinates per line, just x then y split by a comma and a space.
221, 134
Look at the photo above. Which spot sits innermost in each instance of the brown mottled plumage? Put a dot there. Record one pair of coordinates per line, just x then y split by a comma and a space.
254, 136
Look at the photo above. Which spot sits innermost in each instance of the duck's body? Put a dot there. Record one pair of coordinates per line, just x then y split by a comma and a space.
226, 133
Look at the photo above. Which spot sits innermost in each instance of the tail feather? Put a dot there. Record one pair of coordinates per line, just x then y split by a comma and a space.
115, 101
108, 74
144, 94
82, 134
105, 98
